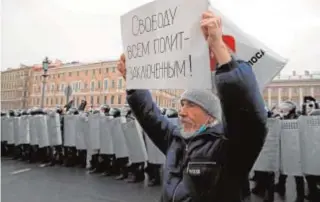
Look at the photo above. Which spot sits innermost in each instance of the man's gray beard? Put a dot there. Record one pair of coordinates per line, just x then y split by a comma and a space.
186, 134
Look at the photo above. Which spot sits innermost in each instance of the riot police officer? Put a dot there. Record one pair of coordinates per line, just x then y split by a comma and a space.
288, 110
82, 153
136, 169
58, 149
309, 106
17, 146
10, 146
120, 164
107, 160
70, 159
96, 160
264, 180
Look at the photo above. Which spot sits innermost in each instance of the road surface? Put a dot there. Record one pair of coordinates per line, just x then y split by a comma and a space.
23, 182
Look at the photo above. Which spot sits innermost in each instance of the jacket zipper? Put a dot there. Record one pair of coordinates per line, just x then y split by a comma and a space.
184, 155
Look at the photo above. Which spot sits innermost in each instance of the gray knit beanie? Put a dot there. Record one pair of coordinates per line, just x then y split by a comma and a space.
208, 101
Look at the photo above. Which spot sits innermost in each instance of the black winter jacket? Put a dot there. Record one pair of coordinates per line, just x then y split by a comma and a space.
192, 165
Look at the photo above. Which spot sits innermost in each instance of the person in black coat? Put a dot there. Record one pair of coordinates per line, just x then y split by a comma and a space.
210, 156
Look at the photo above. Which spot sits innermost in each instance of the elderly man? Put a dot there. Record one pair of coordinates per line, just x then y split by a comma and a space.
209, 158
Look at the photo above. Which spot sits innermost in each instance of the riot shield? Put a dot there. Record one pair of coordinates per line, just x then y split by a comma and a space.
135, 142
310, 144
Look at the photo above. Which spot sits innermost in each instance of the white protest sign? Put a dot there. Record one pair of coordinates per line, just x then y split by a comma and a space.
265, 62
164, 46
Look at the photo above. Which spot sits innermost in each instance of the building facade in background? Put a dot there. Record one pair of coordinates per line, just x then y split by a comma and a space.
292, 87
99, 83
15, 87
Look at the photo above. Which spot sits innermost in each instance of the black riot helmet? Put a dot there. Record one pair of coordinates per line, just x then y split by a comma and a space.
59, 110
11, 113
105, 109
24, 113
172, 113
115, 112
35, 111
41, 111
73, 111
163, 111
3, 114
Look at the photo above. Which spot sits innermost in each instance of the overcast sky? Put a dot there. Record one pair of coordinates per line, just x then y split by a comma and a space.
89, 30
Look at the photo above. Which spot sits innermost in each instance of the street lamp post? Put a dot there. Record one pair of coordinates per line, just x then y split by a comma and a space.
45, 65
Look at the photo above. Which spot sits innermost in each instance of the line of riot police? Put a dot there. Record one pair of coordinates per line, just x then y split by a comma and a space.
265, 181
121, 168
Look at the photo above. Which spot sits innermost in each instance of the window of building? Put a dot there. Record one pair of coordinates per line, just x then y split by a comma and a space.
86, 72
70, 73
61, 101
78, 73
107, 70
38, 101
57, 101
113, 69
112, 99
99, 84
120, 84
99, 71
105, 100
98, 100
78, 101
58, 75
93, 72
85, 85
119, 99
113, 84
105, 84
52, 87
92, 85
91, 100
51, 101
47, 101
